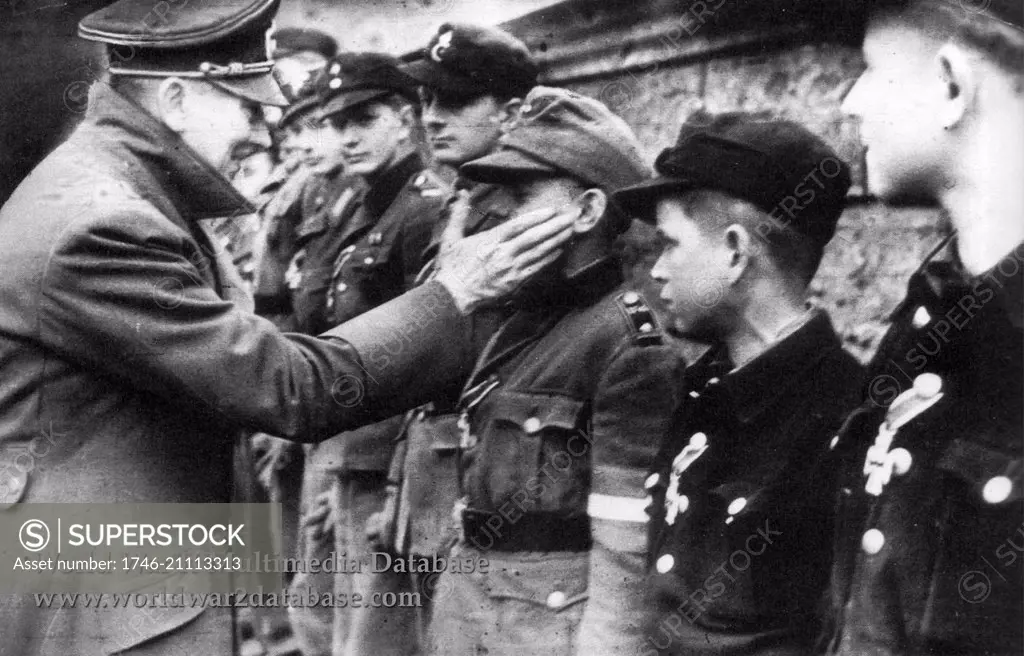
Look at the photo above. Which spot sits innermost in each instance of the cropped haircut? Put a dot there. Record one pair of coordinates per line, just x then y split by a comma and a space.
957, 21
791, 251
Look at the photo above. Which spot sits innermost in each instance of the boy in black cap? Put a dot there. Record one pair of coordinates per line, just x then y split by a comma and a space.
356, 251
928, 556
472, 80
742, 486
126, 345
578, 371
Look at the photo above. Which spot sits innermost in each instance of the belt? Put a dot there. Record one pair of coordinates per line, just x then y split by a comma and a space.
538, 531
618, 509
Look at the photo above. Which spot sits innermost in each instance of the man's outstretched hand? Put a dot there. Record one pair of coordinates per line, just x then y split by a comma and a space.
491, 265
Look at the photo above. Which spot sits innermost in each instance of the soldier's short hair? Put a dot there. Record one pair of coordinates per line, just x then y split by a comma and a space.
979, 26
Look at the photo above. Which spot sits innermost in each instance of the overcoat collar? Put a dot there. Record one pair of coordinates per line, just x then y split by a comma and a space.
195, 189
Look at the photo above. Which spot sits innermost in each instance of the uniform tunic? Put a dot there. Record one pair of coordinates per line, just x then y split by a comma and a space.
742, 497
570, 369
930, 543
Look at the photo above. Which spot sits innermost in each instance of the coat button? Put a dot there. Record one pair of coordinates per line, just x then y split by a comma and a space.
694, 394
699, 440
737, 505
631, 298
873, 541
651, 481
921, 318
927, 385
368, 261
665, 564
997, 489
646, 327
714, 380
682, 503
901, 461
833, 443
556, 600
341, 287
531, 425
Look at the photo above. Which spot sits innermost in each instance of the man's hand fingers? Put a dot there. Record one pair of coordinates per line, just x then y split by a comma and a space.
521, 223
556, 229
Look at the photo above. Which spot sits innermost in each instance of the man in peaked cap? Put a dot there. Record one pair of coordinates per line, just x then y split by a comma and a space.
579, 369
928, 555
742, 483
129, 368
357, 249
472, 81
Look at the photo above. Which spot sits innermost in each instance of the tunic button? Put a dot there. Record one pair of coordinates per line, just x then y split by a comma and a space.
368, 261
833, 443
665, 564
921, 318
714, 380
631, 298
873, 541
997, 489
901, 461
646, 327
928, 385
682, 503
420, 180
651, 481
531, 425
556, 600
699, 440
341, 287
737, 505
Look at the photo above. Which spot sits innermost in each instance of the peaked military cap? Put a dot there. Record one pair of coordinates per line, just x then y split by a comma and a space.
354, 78
760, 160
223, 42
470, 60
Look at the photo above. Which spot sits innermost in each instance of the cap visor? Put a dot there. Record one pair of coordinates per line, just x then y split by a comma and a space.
298, 109
638, 200
261, 89
350, 99
437, 77
504, 167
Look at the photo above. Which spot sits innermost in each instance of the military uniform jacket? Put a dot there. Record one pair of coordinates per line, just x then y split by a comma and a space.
326, 206
743, 499
929, 553
570, 372
128, 374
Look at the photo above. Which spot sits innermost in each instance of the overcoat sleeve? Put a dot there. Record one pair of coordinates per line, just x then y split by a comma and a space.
129, 295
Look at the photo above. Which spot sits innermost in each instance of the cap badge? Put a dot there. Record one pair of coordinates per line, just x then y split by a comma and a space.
443, 43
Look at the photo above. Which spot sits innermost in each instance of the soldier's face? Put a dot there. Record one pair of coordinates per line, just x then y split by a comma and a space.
692, 290
895, 100
317, 144
371, 137
461, 130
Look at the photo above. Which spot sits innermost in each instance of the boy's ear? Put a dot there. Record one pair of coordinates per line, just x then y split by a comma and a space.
959, 84
591, 206
738, 242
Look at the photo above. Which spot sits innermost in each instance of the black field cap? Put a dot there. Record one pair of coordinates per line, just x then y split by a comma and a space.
470, 60
224, 42
354, 78
1009, 12
563, 133
291, 40
305, 99
777, 165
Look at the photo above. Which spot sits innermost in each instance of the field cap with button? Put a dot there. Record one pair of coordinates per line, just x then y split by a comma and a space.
354, 78
305, 99
766, 162
223, 42
291, 40
471, 60
560, 132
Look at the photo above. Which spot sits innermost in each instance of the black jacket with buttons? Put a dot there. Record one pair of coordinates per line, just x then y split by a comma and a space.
932, 564
740, 536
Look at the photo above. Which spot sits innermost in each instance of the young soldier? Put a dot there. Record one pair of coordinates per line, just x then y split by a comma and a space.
122, 346
472, 82
580, 362
742, 484
367, 249
928, 552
